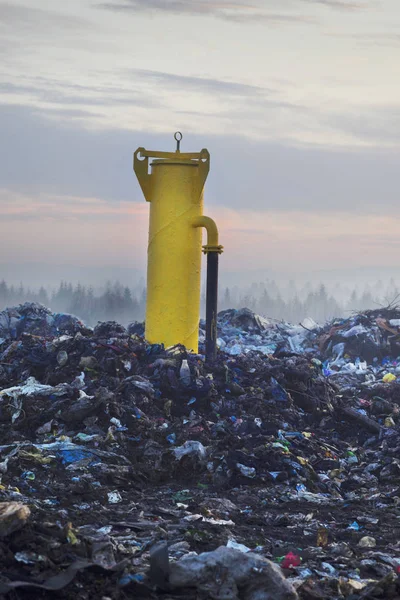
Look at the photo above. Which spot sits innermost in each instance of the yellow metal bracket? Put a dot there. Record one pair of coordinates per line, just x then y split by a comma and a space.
141, 166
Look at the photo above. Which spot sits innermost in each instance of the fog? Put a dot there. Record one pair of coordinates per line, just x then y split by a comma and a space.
125, 302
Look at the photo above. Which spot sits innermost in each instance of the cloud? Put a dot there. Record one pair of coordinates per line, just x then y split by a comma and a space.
65, 159
369, 39
34, 19
25, 32
271, 18
228, 11
341, 4
200, 84
47, 208
51, 90
179, 6
49, 225
64, 113
52, 98
42, 92
116, 233
380, 124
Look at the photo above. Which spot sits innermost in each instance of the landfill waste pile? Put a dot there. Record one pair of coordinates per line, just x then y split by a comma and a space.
367, 343
133, 471
242, 331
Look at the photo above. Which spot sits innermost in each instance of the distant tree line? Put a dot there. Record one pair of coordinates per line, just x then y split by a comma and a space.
115, 302
317, 303
123, 304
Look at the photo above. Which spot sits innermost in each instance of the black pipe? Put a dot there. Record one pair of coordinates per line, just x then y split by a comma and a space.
211, 305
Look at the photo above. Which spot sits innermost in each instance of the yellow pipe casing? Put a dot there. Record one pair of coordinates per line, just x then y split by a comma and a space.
174, 189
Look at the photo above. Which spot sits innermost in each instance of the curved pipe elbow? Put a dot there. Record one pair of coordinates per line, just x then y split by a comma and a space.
212, 234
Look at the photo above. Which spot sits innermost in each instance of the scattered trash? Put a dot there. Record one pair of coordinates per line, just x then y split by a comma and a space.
114, 497
389, 378
284, 450
13, 516
246, 471
236, 546
290, 561
184, 373
190, 448
322, 537
228, 573
367, 542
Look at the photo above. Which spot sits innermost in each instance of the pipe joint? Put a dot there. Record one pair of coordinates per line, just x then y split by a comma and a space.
212, 234
207, 249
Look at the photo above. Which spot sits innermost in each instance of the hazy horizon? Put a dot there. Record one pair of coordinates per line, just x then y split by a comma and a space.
284, 301
50, 275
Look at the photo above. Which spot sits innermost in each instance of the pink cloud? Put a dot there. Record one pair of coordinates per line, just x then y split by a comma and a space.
91, 231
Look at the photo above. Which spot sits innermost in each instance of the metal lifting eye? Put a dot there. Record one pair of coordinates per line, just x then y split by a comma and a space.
178, 137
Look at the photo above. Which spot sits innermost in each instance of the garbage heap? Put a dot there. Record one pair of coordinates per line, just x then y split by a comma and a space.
357, 355
130, 470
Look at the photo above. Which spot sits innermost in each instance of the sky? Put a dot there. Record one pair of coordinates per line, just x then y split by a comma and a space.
298, 102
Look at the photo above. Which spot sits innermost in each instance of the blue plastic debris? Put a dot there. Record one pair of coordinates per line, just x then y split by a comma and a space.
51, 502
71, 456
355, 526
131, 578
278, 392
290, 434
154, 349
